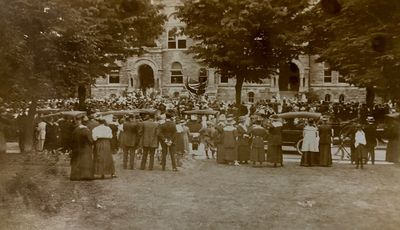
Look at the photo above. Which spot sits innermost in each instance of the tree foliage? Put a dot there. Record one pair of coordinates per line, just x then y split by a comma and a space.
246, 39
52, 46
360, 38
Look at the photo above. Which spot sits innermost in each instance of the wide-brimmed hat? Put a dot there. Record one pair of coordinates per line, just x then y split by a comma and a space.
222, 117
370, 119
193, 117
242, 119
230, 121
324, 118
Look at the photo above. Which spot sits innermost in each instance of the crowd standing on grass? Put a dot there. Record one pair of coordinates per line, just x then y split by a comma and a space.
236, 136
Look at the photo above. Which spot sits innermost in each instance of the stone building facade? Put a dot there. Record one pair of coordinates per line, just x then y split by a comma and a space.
166, 67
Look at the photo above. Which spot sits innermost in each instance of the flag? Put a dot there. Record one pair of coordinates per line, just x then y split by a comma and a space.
197, 89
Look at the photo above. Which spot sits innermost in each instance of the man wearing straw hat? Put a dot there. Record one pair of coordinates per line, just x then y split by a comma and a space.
370, 135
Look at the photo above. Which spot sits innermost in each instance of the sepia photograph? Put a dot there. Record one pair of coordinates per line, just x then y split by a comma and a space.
199, 114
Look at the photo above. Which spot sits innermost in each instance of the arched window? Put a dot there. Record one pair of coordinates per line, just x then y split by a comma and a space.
203, 77
176, 73
327, 97
176, 38
251, 97
341, 98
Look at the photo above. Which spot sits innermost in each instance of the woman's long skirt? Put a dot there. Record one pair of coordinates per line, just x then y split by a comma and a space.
257, 154
230, 154
220, 154
310, 159
325, 155
82, 164
243, 152
275, 154
103, 160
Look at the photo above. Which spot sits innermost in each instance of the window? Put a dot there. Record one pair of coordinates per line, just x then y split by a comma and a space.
327, 97
251, 97
327, 73
341, 98
203, 75
224, 79
113, 77
176, 38
176, 73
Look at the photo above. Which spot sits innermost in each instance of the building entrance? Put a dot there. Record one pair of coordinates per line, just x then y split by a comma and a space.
289, 78
146, 77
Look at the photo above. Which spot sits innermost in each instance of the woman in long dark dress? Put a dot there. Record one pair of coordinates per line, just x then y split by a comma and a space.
243, 141
393, 146
258, 134
274, 153
82, 154
103, 160
325, 140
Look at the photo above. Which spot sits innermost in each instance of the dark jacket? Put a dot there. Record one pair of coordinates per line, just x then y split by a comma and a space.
167, 131
325, 134
275, 136
132, 133
370, 134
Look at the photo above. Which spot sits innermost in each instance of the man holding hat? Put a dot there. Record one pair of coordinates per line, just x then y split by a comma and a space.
167, 137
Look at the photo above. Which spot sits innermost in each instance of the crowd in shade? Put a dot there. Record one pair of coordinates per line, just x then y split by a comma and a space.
237, 135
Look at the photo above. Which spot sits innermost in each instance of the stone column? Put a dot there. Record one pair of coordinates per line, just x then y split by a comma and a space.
130, 76
276, 86
306, 79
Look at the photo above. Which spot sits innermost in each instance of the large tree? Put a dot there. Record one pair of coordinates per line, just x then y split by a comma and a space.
50, 48
245, 39
360, 38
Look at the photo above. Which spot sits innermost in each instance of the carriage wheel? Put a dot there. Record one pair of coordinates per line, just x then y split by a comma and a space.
298, 146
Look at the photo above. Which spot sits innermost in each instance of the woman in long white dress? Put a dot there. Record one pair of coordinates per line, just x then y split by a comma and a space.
310, 150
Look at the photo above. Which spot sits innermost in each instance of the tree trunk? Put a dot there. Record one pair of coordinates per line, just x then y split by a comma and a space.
370, 97
238, 89
29, 128
82, 98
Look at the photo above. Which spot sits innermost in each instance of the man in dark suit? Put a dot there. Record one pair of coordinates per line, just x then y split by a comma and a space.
149, 141
370, 136
167, 138
130, 142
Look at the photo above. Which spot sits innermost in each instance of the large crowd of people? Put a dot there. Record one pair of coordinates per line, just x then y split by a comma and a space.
237, 135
